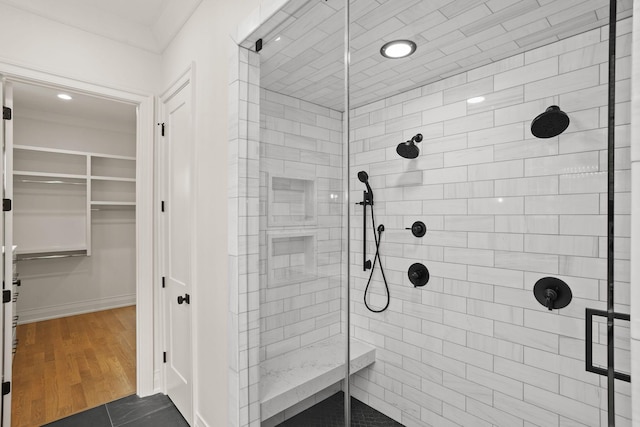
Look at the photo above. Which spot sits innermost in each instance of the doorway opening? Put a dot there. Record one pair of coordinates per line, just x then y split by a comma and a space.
74, 196
109, 197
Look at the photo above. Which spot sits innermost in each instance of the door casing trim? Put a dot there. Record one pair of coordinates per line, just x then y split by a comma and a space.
144, 201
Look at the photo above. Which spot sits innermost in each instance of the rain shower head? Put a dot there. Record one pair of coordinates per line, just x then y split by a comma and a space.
551, 123
408, 149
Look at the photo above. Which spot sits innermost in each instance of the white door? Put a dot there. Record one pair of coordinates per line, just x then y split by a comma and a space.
177, 172
6, 269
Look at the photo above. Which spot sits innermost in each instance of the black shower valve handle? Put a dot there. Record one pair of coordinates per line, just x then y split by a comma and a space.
418, 229
550, 296
418, 274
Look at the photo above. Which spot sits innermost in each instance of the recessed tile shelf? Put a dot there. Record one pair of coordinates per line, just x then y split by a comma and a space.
291, 257
292, 201
292, 377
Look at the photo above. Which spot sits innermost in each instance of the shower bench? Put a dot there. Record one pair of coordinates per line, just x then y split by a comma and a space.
292, 377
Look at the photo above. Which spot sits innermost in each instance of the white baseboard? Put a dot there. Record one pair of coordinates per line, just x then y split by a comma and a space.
199, 421
71, 309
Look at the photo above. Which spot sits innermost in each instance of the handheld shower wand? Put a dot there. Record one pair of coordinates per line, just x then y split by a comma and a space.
367, 200
364, 178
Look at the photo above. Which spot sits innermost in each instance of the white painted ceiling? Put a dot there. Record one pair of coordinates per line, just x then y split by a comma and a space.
147, 24
29, 100
453, 36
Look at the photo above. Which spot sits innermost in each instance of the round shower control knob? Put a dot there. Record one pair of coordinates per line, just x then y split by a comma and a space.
418, 229
418, 274
552, 292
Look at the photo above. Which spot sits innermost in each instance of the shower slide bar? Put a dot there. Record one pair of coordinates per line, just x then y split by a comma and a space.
366, 263
367, 200
590, 312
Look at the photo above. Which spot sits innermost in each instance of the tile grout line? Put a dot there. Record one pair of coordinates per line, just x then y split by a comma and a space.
109, 415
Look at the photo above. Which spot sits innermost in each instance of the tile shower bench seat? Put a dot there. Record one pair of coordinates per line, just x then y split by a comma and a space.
292, 377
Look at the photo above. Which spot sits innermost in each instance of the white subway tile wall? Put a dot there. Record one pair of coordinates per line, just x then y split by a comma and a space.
243, 327
503, 209
300, 229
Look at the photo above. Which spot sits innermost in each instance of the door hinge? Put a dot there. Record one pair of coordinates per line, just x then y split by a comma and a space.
163, 284
6, 388
161, 128
258, 45
6, 113
162, 206
6, 296
164, 357
6, 205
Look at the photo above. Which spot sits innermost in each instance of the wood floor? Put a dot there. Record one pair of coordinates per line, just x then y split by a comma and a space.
64, 366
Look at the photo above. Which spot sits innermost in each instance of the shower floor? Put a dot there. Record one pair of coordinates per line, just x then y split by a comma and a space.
330, 413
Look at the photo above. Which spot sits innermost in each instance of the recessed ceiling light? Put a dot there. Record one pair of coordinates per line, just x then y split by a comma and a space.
64, 96
278, 38
398, 49
475, 100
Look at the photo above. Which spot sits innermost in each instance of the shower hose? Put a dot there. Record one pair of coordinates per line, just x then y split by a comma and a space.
378, 239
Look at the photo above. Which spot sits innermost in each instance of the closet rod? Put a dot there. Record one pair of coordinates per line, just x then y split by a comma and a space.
50, 255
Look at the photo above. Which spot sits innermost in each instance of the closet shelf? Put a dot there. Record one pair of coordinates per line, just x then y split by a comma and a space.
48, 175
112, 178
98, 203
61, 219
72, 152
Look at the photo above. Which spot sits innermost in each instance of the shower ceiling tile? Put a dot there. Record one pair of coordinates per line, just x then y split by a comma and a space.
453, 36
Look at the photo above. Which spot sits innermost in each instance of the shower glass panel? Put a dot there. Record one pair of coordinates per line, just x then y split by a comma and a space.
301, 343
460, 224
443, 137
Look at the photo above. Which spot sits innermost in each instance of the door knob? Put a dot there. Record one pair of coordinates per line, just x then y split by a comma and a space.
184, 298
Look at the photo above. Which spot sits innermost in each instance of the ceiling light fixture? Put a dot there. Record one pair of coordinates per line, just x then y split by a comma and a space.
64, 96
475, 100
398, 49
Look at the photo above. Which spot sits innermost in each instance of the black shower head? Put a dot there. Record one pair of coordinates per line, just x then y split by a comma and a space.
551, 123
363, 177
408, 149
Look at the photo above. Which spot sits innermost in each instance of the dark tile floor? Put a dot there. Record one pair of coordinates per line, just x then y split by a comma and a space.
330, 413
152, 411
159, 411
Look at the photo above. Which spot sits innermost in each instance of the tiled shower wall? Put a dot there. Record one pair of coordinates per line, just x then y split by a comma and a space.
300, 223
503, 209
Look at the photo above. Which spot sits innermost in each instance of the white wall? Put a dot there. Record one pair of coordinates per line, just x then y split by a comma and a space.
63, 287
45, 45
205, 40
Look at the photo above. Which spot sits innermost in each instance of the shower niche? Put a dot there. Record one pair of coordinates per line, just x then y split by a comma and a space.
291, 257
292, 201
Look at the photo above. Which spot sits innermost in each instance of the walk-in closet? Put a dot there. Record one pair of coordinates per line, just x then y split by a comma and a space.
74, 194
